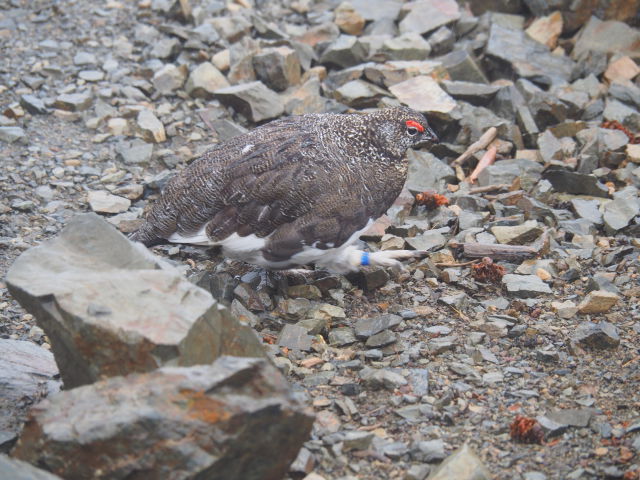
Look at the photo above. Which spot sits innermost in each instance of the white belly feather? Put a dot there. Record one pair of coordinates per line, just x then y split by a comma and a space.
249, 249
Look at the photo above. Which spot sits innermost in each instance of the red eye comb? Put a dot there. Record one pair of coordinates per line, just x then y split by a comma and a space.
414, 124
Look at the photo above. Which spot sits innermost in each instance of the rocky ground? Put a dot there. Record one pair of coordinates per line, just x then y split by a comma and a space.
102, 101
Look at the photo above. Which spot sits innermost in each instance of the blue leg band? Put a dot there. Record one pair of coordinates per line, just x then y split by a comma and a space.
364, 260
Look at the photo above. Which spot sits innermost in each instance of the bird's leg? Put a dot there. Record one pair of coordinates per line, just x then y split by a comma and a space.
296, 276
386, 258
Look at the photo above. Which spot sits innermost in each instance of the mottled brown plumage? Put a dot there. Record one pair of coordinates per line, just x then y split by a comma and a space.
299, 183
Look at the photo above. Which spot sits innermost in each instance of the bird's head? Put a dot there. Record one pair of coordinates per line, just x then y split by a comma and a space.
398, 129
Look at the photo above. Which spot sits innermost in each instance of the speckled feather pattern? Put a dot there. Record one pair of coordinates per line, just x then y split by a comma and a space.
302, 181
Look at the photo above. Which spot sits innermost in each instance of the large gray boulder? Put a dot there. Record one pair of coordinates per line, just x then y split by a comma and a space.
233, 419
109, 307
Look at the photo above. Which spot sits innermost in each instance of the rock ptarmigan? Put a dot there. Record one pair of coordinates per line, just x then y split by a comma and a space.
295, 191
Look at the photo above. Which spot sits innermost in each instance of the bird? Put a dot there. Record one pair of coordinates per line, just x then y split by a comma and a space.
296, 191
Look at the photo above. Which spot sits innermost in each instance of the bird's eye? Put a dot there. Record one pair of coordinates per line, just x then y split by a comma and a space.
413, 127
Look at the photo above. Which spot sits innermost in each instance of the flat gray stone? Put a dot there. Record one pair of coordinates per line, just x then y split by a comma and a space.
429, 451
462, 65
427, 241
253, 100
205, 80
575, 183
463, 464
104, 202
27, 374
381, 378
426, 172
525, 286
84, 58
419, 381
278, 67
606, 37
169, 78
599, 336
12, 134
619, 112
517, 234
294, 337
427, 15
345, 51
135, 152
624, 207
150, 127
367, 327
381, 339
359, 94
472, 92
377, 9
91, 75
357, 440
14, 469
574, 417
551, 428
33, 104
587, 209
528, 58
341, 336
73, 102
422, 93
505, 171
408, 46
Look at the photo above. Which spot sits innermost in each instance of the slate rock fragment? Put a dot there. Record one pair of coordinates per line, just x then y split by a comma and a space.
28, 373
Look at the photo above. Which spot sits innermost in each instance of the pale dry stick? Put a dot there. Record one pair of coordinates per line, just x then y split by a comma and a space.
463, 264
487, 159
482, 143
204, 118
368, 428
489, 188
496, 251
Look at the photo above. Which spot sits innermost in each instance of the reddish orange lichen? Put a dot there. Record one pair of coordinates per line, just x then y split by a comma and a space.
431, 200
526, 430
487, 271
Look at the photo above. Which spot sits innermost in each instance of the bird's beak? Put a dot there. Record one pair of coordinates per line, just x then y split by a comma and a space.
429, 138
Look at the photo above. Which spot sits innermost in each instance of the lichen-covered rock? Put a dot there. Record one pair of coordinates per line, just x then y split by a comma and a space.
235, 418
111, 308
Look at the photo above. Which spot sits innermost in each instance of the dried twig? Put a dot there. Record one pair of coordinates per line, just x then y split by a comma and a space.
371, 453
482, 143
203, 116
489, 188
463, 264
496, 251
368, 428
487, 159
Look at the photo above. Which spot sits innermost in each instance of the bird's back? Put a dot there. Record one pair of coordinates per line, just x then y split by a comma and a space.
256, 182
